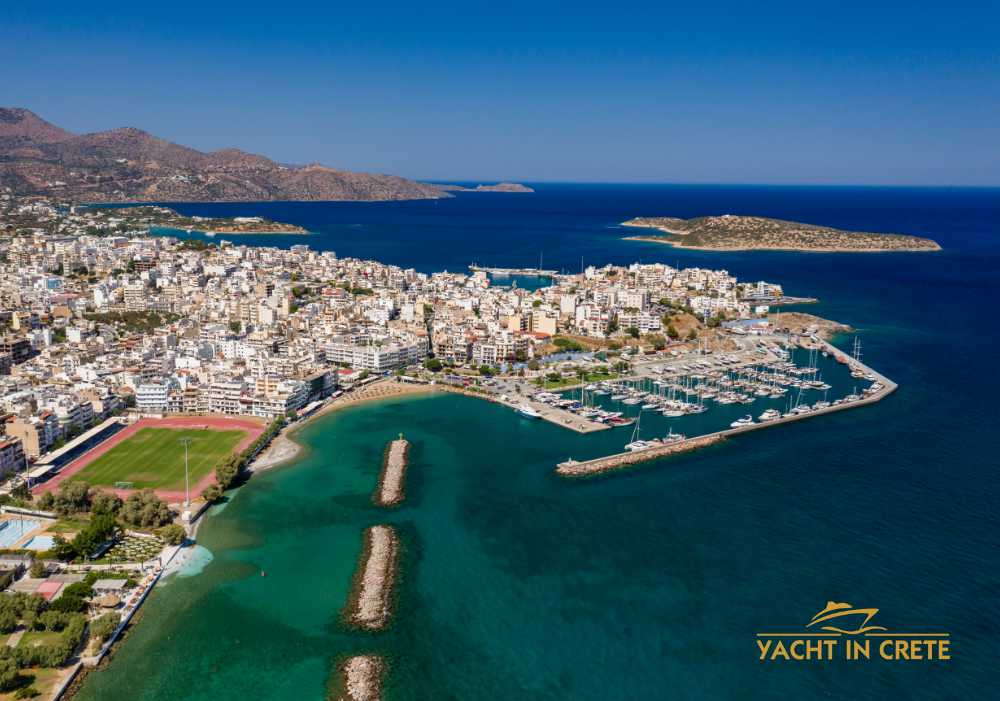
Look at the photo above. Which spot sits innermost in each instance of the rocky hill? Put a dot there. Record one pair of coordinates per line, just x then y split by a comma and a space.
130, 165
736, 233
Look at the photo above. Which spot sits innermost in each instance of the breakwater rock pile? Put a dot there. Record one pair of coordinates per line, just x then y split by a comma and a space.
391, 490
361, 677
370, 603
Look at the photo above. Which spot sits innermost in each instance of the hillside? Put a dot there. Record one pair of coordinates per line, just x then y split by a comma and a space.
130, 165
734, 233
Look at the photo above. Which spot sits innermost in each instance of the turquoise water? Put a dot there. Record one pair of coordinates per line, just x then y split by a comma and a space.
650, 584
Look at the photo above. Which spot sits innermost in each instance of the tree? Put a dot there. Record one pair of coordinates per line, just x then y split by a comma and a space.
672, 332
8, 623
533, 364
37, 569
105, 503
692, 335
212, 493
72, 498
9, 674
173, 534
46, 502
657, 341
145, 510
101, 628
433, 364
21, 492
632, 331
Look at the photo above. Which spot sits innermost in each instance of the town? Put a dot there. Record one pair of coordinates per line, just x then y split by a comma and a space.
143, 373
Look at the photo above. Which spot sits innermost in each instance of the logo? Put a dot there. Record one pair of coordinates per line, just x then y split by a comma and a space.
842, 631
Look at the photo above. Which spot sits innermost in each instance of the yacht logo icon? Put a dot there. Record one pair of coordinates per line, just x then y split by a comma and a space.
835, 611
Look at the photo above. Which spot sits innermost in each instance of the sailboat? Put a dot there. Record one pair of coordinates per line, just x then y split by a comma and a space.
635, 443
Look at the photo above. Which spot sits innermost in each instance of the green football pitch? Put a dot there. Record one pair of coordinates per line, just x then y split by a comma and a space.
154, 458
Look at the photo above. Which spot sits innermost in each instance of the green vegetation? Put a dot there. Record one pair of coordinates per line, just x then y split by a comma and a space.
228, 471
173, 534
154, 458
555, 380
567, 344
134, 321
102, 628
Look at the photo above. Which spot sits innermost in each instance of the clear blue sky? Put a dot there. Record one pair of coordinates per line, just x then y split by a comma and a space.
748, 92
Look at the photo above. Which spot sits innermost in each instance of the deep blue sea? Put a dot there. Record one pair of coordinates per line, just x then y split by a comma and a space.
644, 585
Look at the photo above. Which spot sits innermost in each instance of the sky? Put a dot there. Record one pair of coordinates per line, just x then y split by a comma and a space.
879, 92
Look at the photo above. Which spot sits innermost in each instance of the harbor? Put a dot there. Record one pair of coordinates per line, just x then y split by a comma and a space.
509, 272
639, 451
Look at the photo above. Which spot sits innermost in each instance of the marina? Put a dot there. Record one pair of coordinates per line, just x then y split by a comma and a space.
637, 451
509, 272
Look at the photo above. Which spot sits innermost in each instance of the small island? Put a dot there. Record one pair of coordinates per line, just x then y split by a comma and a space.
155, 216
499, 187
744, 233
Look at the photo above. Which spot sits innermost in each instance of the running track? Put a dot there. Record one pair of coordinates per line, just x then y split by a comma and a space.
253, 427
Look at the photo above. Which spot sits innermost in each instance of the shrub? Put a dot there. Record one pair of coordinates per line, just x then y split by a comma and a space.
173, 534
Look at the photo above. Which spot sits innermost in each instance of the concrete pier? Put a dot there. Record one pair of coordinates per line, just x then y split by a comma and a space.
370, 604
572, 468
361, 678
390, 490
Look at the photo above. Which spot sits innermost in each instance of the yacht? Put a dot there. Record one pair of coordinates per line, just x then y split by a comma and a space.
769, 415
529, 412
745, 421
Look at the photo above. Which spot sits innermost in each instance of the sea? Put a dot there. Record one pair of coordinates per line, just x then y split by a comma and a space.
646, 584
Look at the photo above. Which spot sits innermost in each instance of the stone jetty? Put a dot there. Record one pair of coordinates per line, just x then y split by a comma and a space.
370, 604
361, 678
573, 468
390, 490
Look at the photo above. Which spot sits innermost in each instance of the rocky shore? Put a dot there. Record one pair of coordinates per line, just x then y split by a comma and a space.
361, 678
390, 491
370, 604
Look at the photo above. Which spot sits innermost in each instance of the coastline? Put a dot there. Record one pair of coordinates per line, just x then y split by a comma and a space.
285, 448
790, 249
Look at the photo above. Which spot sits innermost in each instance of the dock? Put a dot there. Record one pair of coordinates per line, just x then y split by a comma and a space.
617, 461
370, 605
390, 490
537, 272
560, 417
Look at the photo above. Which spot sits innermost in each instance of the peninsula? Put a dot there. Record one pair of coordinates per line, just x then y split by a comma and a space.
499, 187
745, 233
156, 216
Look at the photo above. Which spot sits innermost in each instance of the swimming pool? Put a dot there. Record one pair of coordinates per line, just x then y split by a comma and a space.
39, 542
12, 530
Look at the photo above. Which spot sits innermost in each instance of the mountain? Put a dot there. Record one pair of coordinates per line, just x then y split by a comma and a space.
130, 165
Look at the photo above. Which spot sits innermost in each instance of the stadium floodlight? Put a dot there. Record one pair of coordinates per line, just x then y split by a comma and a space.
186, 441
